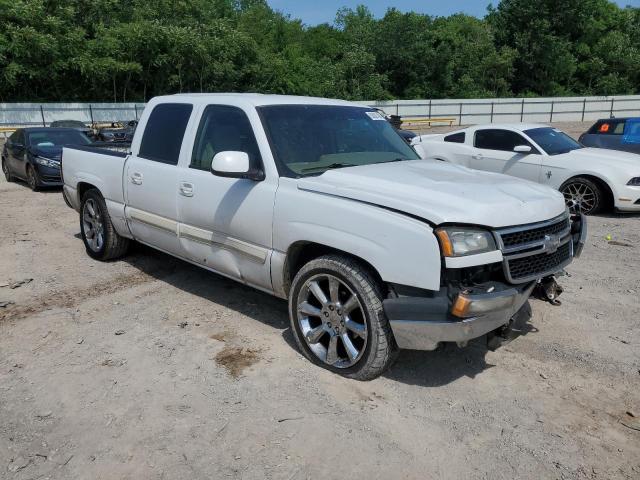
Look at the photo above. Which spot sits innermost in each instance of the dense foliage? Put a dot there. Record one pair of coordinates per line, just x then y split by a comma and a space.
124, 50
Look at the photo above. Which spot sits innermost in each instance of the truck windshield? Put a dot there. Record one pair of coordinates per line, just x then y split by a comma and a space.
310, 139
553, 141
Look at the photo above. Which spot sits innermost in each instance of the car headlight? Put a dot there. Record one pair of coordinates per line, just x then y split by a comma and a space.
634, 182
461, 241
48, 162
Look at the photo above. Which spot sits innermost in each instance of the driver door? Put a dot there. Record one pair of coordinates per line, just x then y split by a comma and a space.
226, 223
494, 152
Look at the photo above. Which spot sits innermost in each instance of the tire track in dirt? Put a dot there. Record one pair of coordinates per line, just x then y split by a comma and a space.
72, 298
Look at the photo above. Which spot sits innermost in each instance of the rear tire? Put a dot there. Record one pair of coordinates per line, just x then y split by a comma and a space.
5, 169
583, 195
337, 318
100, 238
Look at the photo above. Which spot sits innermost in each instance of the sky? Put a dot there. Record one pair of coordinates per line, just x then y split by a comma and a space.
313, 12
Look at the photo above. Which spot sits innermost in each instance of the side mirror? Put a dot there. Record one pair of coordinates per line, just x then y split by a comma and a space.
234, 165
522, 149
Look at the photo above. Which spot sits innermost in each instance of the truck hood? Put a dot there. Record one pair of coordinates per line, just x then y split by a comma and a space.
442, 193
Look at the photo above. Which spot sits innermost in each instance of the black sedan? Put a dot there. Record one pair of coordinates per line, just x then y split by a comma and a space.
614, 134
33, 154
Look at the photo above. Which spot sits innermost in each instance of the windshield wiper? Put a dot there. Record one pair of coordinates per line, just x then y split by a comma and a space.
328, 167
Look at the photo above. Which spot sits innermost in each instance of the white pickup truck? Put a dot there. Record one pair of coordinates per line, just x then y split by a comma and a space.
322, 203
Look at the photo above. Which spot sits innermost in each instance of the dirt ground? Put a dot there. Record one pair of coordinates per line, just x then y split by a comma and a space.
150, 368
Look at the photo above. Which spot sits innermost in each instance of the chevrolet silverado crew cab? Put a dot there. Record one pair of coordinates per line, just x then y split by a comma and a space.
322, 203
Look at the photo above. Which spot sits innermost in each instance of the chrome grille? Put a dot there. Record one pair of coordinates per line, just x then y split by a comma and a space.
534, 251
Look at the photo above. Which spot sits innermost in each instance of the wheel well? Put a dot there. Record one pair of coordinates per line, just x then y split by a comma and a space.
604, 186
83, 187
301, 253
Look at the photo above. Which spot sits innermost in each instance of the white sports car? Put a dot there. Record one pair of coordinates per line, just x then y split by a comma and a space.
591, 179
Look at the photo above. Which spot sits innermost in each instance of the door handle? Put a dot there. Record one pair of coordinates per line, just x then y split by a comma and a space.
186, 189
477, 156
136, 178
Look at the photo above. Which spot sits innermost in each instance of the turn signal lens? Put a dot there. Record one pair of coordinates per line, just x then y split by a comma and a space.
445, 243
461, 306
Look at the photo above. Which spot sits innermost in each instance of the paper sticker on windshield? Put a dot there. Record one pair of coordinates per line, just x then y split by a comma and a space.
375, 116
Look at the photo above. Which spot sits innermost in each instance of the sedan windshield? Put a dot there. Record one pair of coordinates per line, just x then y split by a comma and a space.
311, 139
53, 137
552, 140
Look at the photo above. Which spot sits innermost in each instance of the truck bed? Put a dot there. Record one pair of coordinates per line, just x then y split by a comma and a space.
96, 166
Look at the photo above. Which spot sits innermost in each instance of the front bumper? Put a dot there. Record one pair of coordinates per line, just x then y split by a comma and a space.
48, 176
421, 323
627, 199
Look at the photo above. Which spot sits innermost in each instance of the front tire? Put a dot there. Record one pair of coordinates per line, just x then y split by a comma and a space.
100, 238
32, 179
583, 195
5, 169
337, 318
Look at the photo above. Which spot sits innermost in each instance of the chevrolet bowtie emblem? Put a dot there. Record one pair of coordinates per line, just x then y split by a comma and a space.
551, 243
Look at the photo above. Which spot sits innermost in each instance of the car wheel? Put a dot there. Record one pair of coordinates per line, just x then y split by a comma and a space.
100, 238
32, 178
583, 195
337, 318
5, 169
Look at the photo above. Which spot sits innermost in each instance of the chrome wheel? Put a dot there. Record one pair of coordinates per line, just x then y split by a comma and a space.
332, 321
92, 225
580, 197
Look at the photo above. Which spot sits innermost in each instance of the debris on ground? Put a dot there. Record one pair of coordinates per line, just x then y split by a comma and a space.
620, 244
18, 464
632, 424
183, 324
119, 332
20, 283
5, 303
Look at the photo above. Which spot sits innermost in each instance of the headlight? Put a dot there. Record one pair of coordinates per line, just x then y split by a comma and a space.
47, 162
461, 241
634, 182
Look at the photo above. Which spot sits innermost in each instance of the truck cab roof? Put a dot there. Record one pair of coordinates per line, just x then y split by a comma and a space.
255, 99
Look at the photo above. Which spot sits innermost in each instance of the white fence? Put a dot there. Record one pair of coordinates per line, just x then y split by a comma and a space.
36, 114
560, 109
463, 112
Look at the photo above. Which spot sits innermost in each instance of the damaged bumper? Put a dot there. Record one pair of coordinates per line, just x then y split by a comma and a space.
421, 323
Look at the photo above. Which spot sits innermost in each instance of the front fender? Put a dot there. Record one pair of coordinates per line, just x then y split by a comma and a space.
401, 248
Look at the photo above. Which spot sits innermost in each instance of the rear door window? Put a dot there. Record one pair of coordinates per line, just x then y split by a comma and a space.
502, 140
455, 138
164, 132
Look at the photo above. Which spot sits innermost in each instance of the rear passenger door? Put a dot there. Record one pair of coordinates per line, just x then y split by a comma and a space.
226, 223
493, 152
151, 181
